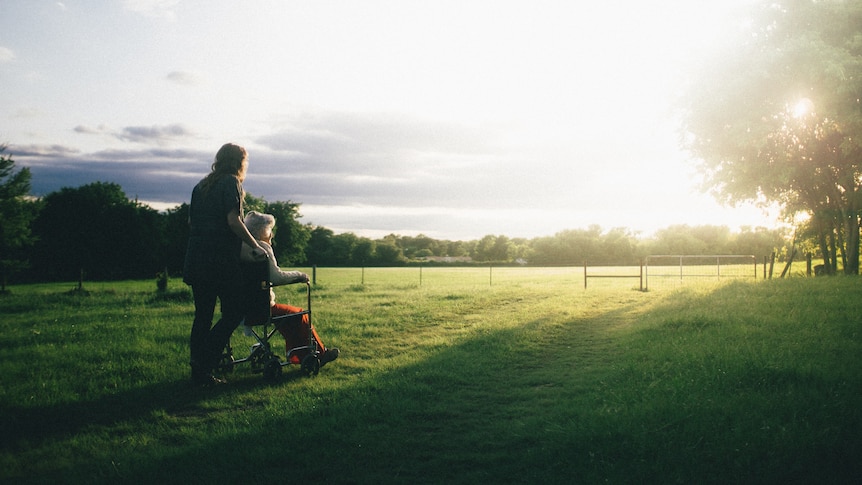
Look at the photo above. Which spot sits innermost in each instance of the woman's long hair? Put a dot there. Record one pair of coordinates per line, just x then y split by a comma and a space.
231, 160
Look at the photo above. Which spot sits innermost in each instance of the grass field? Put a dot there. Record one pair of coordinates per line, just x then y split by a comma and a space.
515, 375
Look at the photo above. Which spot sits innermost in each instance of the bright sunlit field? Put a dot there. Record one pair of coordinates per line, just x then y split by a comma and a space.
490, 374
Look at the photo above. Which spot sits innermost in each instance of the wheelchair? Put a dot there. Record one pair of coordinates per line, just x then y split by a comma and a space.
263, 326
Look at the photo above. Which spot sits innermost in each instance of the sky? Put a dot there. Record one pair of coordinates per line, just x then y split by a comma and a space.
452, 119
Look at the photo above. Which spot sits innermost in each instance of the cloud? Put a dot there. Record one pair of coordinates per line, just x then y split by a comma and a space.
6, 55
89, 130
377, 144
172, 156
399, 160
158, 134
160, 9
374, 132
379, 159
157, 175
386, 173
27, 113
186, 78
42, 151
157, 182
60, 154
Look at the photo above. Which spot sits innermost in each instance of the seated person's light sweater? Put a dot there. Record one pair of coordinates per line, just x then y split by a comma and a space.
277, 276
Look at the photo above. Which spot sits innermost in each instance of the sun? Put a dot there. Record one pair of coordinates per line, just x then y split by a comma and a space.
802, 108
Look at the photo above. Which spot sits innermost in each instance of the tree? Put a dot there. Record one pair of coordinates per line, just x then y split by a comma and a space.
290, 237
363, 252
387, 253
96, 229
319, 249
419, 246
502, 249
493, 248
572, 246
778, 118
343, 246
454, 249
252, 203
683, 239
759, 241
484, 250
16, 215
618, 246
176, 238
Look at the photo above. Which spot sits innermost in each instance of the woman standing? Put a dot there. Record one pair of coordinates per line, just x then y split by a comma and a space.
212, 263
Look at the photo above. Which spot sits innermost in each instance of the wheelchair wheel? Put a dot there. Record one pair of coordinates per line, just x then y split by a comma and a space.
226, 364
260, 355
310, 365
272, 369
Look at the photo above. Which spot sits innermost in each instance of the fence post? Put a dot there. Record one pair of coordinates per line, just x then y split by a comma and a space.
641, 276
585, 274
314, 274
771, 264
646, 274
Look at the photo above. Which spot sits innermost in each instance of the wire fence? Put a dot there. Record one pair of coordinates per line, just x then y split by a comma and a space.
442, 275
655, 270
665, 268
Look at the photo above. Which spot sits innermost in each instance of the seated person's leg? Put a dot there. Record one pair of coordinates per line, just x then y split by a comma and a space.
295, 332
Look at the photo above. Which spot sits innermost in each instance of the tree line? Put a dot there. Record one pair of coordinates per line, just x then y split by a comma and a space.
96, 232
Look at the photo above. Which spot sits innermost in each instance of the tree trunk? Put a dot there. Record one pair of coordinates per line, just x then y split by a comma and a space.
833, 251
825, 247
851, 263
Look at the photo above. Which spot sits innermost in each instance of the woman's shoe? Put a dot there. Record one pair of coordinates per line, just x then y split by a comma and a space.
329, 356
206, 380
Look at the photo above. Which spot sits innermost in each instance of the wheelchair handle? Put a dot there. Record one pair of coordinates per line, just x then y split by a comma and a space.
308, 297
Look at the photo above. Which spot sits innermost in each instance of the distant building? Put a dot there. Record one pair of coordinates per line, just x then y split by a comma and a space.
448, 259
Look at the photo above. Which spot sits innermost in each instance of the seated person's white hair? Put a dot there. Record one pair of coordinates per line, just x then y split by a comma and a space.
259, 224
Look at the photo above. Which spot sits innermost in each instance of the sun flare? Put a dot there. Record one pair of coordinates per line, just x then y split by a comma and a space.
802, 108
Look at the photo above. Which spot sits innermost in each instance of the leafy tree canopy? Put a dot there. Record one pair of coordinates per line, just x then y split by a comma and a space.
777, 116
16, 215
96, 229
14, 219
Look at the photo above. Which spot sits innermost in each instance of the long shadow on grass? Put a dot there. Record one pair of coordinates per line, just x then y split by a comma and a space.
35, 425
580, 406
529, 403
504, 406
419, 408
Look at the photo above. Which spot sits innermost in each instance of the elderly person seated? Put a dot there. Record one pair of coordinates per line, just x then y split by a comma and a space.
295, 332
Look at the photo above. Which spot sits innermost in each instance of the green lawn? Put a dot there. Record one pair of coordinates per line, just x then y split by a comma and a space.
515, 375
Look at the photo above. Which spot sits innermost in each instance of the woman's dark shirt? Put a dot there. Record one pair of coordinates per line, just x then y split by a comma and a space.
213, 250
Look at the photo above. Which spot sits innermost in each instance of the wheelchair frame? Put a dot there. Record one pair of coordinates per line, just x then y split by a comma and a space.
261, 357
